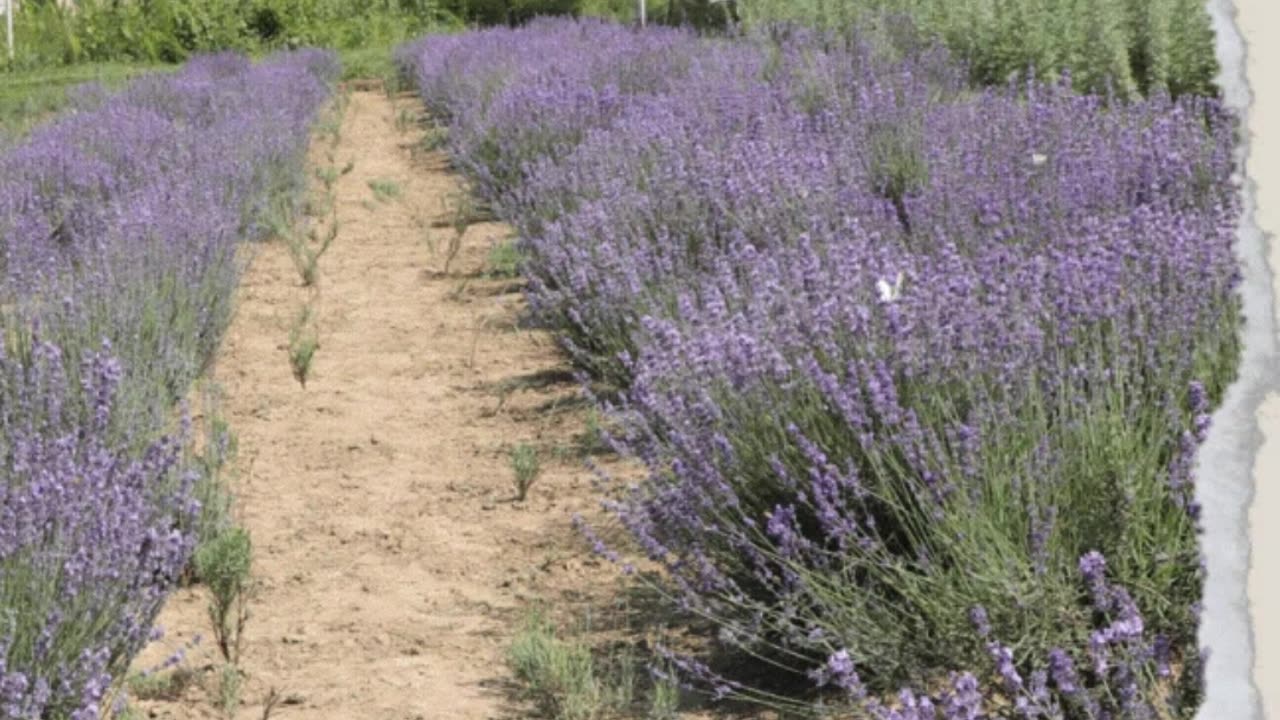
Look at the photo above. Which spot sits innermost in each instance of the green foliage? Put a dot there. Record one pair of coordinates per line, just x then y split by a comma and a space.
27, 98
526, 467
303, 343
1135, 45
504, 259
385, 190
168, 31
223, 564
564, 680
213, 487
499, 12
568, 678
160, 685
230, 687
306, 255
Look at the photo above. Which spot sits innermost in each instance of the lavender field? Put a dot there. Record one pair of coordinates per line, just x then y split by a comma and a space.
917, 369
815, 370
121, 223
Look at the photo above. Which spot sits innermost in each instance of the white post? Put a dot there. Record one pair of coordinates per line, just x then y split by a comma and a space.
8, 26
639, 7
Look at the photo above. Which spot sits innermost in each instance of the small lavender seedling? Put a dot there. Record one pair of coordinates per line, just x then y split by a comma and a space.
303, 344
406, 119
451, 251
273, 699
457, 293
504, 259
230, 685
224, 564
525, 466
591, 441
434, 139
664, 697
327, 175
467, 211
212, 464
318, 206
280, 218
161, 685
559, 676
385, 190
307, 259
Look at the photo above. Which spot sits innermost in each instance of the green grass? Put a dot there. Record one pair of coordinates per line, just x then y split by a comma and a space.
372, 62
30, 97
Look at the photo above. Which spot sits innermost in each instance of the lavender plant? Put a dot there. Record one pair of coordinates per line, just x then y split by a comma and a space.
892, 348
119, 225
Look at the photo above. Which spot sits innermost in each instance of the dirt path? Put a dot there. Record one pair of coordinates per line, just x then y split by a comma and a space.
393, 568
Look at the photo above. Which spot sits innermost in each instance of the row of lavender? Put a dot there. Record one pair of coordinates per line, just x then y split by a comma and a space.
919, 370
119, 225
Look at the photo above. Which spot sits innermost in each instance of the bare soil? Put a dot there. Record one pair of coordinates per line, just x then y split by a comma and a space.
393, 565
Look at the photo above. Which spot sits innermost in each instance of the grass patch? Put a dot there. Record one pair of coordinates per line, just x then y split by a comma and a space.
371, 62
30, 97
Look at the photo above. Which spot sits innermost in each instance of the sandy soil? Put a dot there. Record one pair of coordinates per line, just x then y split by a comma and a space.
393, 566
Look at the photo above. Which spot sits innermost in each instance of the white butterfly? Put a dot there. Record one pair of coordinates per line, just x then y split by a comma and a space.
889, 293
1038, 159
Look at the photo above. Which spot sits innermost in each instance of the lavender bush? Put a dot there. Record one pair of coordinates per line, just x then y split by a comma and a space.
119, 224
893, 349
538, 90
